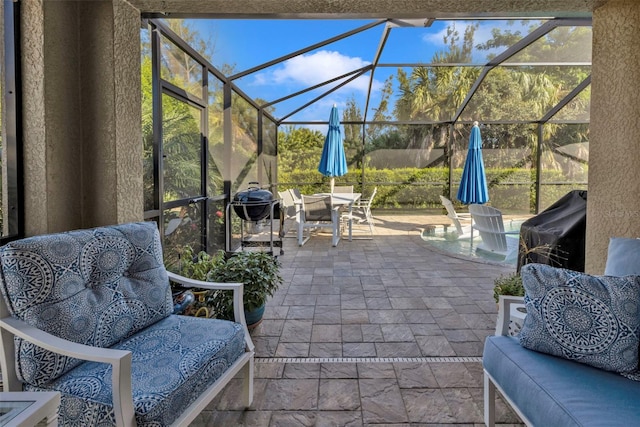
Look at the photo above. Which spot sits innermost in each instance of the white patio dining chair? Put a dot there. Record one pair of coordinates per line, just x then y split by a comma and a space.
343, 189
288, 212
296, 195
490, 225
317, 212
361, 214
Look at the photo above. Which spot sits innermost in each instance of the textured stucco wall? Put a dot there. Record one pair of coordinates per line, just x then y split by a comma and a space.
63, 115
369, 8
128, 114
98, 111
82, 136
34, 123
111, 110
613, 206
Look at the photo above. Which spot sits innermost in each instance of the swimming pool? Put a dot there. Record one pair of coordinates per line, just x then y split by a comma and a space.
446, 239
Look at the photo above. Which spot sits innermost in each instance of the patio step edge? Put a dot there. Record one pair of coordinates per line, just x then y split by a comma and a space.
368, 359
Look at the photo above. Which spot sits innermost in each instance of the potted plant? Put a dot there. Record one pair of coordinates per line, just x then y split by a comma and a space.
195, 266
260, 273
510, 284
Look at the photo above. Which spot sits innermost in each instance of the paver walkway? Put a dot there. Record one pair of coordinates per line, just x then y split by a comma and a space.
372, 332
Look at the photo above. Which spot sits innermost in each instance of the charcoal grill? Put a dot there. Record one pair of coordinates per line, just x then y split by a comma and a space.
253, 204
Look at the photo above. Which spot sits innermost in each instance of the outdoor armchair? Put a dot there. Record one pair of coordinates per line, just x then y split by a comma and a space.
92, 316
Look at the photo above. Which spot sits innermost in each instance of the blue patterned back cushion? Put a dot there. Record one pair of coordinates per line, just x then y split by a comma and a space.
623, 257
92, 287
593, 320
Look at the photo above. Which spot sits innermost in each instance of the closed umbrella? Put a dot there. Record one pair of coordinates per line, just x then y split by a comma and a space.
333, 161
473, 184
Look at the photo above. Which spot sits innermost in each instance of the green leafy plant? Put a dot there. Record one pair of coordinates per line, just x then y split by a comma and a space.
510, 284
260, 273
197, 266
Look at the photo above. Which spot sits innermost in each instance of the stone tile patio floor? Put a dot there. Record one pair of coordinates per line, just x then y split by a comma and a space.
382, 332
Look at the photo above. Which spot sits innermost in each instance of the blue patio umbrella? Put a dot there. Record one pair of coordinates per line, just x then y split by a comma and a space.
473, 184
333, 161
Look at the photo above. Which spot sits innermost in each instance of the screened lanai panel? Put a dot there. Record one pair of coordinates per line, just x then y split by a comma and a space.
266, 40
299, 151
147, 126
507, 151
564, 161
183, 227
433, 44
269, 159
407, 163
181, 148
308, 69
244, 143
215, 225
353, 148
215, 121
514, 93
562, 44
180, 69
578, 109
430, 94
326, 96
292, 89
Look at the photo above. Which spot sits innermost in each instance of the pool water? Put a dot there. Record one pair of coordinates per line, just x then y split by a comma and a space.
446, 239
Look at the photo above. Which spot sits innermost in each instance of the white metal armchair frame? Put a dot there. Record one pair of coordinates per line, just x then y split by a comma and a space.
318, 212
121, 360
506, 305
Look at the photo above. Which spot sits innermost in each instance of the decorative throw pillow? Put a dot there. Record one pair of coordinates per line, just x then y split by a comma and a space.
623, 258
590, 319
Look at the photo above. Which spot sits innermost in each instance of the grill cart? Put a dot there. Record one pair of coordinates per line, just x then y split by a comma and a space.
256, 207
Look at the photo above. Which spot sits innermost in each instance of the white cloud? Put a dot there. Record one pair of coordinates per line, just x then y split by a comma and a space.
309, 70
312, 69
260, 79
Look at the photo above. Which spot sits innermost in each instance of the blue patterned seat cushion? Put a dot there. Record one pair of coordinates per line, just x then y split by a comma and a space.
94, 287
589, 319
173, 361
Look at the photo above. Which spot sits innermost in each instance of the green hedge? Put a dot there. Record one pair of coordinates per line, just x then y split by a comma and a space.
512, 190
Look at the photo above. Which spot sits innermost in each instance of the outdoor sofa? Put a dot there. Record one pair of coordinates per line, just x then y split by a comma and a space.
91, 313
575, 360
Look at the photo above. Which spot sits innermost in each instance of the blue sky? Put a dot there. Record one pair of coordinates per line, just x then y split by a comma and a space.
249, 43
